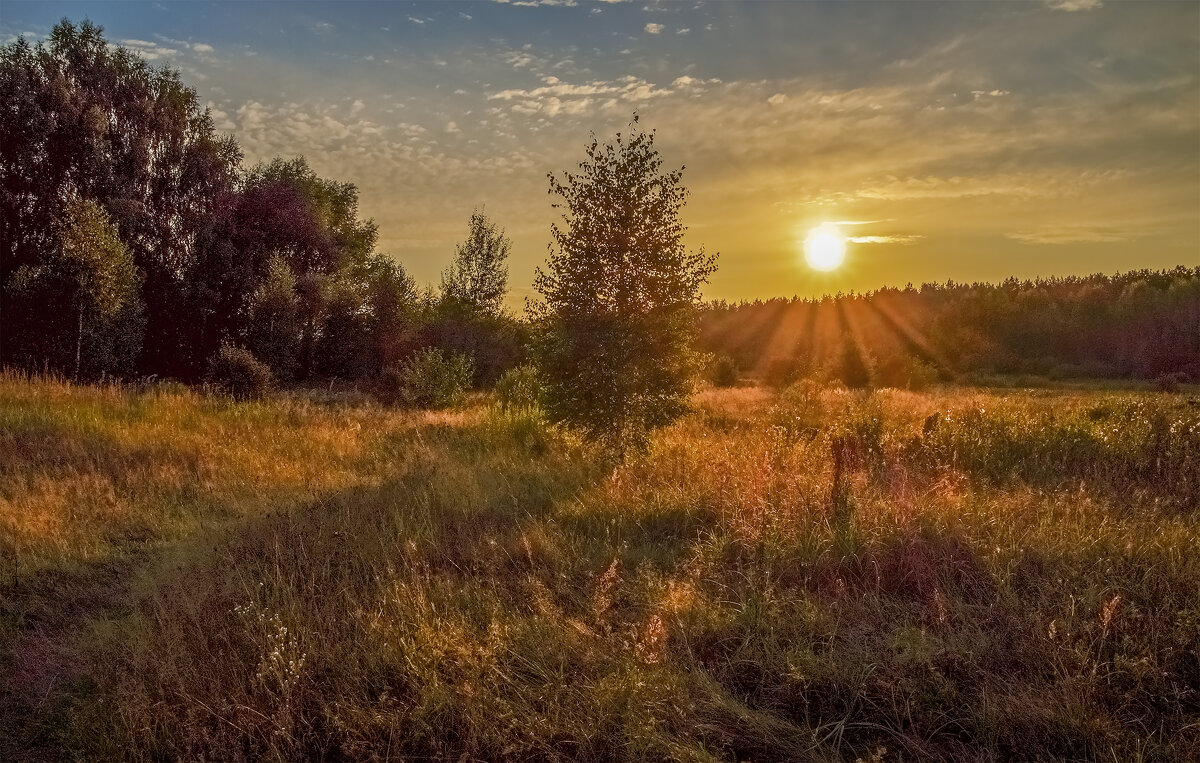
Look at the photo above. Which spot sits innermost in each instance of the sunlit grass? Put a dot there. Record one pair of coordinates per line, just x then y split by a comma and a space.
1004, 575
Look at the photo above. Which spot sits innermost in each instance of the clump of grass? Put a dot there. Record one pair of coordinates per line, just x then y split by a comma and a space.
1015, 582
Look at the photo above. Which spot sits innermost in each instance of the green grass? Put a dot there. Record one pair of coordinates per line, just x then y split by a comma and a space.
192, 578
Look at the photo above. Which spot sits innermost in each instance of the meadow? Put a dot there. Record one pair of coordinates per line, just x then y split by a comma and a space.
804, 574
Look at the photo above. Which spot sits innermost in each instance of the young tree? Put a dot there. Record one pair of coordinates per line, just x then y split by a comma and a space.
85, 296
274, 330
392, 297
477, 279
469, 318
620, 296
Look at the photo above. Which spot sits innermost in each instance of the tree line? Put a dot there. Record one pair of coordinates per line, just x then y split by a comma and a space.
136, 244
1140, 324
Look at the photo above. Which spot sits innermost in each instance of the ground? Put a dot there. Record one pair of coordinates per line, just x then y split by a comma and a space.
991, 574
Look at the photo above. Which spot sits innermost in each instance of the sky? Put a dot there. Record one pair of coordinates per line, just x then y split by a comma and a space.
949, 141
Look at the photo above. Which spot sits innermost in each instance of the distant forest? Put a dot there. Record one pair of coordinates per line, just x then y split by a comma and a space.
134, 243
1142, 324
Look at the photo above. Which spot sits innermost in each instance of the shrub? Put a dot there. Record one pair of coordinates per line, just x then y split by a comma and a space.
920, 375
780, 372
519, 388
238, 373
434, 379
906, 372
1169, 382
724, 372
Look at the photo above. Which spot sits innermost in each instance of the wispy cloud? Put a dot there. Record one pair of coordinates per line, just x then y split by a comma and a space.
1074, 5
535, 3
883, 239
556, 96
151, 51
1071, 235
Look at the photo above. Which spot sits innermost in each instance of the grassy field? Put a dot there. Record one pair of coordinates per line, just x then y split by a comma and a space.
987, 575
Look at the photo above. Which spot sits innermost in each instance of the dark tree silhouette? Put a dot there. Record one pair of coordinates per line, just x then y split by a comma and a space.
86, 121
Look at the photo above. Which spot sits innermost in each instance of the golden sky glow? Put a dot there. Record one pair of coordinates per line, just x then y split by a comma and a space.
965, 141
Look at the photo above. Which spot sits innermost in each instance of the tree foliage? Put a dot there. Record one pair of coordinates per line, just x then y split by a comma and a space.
274, 331
84, 297
469, 317
619, 293
83, 120
477, 279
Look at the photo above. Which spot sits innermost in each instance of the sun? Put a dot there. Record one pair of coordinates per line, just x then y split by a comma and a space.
825, 248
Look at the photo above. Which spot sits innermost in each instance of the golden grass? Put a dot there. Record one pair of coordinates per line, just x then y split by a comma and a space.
1014, 578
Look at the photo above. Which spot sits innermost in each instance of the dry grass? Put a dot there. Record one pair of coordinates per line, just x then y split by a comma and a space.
187, 577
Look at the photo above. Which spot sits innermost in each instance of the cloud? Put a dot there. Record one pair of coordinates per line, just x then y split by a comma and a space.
685, 30
417, 21
536, 3
1076, 234
151, 51
1074, 5
201, 47
556, 96
979, 95
221, 120
777, 99
654, 28
521, 59
899, 239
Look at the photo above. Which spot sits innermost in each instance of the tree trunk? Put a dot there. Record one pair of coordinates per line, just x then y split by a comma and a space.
79, 343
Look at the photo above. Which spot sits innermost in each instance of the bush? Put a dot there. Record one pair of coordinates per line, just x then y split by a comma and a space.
519, 388
1169, 382
906, 372
434, 379
780, 372
238, 373
724, 372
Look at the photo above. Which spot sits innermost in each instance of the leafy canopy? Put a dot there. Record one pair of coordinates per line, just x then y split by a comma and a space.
620, 293
84, 120
477, 279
